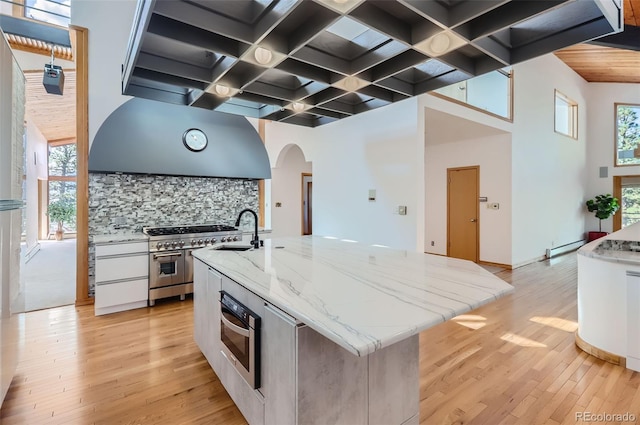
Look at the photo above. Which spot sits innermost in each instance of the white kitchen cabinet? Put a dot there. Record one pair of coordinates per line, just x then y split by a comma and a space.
279, 371
122, 277
633, 320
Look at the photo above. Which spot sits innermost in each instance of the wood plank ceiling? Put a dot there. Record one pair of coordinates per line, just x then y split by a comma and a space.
606, 64
54, 115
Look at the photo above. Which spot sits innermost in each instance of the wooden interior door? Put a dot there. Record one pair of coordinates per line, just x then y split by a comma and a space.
307, 188
463, 186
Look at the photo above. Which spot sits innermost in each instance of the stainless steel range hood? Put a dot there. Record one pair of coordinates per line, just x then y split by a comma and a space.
144, 136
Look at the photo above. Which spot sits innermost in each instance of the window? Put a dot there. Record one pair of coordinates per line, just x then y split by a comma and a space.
62, 178
566, 116
627, 134
490, 93
55, 12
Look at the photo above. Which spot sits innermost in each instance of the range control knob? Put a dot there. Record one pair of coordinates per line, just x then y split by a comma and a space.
159, 245
213, 240
181, 243
193, 242
206, 241
223, 239
166, 244
200, 242
174, 244
235, 238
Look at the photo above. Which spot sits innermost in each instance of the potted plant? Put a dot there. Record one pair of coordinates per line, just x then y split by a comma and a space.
604, 206
61, 211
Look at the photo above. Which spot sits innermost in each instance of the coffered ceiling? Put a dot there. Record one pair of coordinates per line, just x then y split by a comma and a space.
310, 62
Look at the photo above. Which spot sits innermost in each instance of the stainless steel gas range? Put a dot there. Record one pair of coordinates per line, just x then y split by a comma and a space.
170, 259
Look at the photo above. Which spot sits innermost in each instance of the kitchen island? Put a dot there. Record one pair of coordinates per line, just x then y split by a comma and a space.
609, 297
340, 324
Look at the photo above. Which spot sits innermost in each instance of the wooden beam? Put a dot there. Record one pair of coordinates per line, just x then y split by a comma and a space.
80, 43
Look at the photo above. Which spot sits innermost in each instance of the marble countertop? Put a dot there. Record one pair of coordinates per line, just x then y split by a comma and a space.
120, 237
615, 246
361, 297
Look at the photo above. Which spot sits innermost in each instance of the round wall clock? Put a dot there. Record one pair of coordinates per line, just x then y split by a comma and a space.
194, 139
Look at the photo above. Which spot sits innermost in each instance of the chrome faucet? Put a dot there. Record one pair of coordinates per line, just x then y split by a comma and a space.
255, 241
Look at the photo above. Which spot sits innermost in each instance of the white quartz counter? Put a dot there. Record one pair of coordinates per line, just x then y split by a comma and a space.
622, 246
361, 297
120, 237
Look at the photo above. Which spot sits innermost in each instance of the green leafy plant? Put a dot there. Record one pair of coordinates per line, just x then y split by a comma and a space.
604, 206
61, 211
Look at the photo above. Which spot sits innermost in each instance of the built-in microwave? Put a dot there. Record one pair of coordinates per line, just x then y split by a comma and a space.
240, 338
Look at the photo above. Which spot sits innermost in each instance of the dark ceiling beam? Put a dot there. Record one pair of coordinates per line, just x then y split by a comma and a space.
309, 29
29, 28
201, 18
628, 39
397, 85
562, 39
330, 62
208, 101
306, 70
377, 56
270, 91
431, 10
471, 9
402, 62
172, 67
504, 17
281, 9
155, 94
492, 48
374, 17
309, 90
187, 34
441, 81
171, 80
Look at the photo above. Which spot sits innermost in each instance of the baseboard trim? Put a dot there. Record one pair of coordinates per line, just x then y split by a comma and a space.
563, 249
599, 353
489, 263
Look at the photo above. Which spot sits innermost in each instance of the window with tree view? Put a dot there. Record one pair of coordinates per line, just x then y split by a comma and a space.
62, 180
627, 134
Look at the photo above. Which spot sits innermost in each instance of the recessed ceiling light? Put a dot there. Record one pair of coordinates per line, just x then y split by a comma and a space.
351, 83
263, 56
297, 106
340, 1
440, 43
222, 90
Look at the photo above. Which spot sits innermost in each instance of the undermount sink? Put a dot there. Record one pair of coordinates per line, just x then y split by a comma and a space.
232, 247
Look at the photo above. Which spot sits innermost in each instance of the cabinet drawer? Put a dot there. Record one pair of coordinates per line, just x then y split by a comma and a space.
121, 248
124, 292
116, 268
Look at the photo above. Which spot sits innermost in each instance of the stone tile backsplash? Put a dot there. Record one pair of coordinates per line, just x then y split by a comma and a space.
127, 202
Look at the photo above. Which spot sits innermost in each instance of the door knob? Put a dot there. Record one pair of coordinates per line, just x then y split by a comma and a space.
473, 220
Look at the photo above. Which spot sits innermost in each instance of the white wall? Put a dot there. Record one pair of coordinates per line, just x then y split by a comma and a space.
109, 23
487, 147
36, 160
372, 150
549, 169
601, 141
286, 182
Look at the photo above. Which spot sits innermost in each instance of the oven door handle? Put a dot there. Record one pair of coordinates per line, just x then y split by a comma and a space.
168, 254
237, 329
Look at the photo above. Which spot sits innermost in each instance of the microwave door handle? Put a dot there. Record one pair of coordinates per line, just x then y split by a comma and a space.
235, 328
168, 254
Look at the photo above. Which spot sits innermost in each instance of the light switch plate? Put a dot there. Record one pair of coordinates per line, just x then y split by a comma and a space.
493, 206
372, 194
402, 209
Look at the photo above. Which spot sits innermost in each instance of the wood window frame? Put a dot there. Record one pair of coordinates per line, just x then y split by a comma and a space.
573, 108
615, 134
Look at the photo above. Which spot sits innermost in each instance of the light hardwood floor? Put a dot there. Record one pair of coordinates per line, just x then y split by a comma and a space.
513, 361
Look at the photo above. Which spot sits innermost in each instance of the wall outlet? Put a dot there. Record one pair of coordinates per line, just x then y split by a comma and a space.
278, 204
402, 209
493, 206
433, 243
